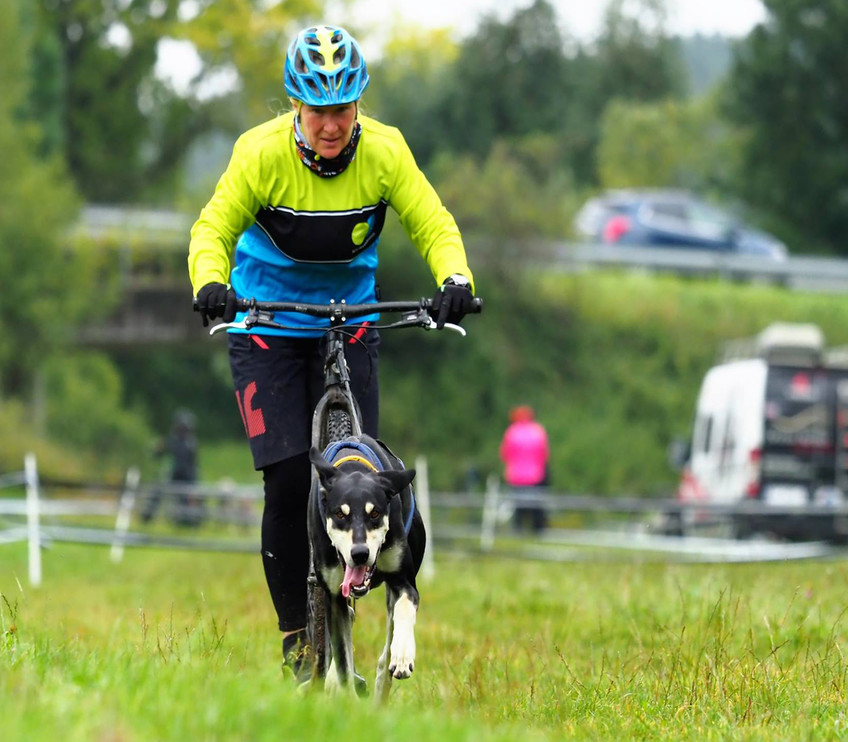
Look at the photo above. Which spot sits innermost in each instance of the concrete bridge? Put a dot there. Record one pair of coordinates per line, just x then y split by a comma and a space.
155, 307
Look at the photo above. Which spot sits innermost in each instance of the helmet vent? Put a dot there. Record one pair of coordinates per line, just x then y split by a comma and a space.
316, 57
300, 63
355, 59
336, 37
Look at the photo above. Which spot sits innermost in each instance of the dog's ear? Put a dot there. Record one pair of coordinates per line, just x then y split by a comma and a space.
326, 471
395, 480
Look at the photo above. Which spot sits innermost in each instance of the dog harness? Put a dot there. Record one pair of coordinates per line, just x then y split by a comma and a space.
367, 457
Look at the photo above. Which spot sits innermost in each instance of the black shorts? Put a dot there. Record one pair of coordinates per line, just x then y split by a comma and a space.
279, 380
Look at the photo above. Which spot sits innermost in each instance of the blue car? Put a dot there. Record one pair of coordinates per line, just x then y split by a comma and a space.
669, 218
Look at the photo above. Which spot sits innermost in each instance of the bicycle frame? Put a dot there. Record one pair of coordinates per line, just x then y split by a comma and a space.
337, 393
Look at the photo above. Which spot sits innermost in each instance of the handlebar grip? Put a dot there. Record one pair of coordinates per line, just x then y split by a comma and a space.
242, 305
477, 305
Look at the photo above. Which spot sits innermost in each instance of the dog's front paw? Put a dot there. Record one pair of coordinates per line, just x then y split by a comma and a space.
403, 656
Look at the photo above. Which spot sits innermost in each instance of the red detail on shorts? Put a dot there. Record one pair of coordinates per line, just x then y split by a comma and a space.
260, 342
358, 335
253, 419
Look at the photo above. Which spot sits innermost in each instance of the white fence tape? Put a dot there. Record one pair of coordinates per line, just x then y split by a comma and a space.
486, 514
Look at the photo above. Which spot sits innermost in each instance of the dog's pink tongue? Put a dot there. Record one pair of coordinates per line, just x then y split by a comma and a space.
353, 577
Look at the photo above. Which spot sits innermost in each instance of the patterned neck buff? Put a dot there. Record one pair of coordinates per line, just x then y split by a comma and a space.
319, 165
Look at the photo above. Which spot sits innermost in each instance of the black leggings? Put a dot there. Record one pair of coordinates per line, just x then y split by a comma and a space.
285, 544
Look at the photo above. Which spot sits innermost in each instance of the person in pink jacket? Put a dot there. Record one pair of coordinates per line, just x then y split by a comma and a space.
525, 453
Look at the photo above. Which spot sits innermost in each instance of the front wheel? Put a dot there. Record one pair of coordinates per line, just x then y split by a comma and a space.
339, 425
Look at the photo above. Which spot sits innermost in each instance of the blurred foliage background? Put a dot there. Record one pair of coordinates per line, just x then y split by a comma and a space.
516, 124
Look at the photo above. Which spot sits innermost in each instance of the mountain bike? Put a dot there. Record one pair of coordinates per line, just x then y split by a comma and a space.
337, 415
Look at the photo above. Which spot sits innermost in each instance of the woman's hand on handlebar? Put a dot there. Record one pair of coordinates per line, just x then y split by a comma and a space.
452, 301
216, 300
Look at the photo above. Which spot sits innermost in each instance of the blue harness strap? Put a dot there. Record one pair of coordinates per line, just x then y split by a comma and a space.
407, 527
368, 453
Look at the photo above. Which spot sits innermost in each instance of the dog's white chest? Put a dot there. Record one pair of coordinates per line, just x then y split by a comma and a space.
390, 559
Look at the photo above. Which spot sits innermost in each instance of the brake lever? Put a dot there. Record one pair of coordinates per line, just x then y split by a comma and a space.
251, 319
240, 325
447, 326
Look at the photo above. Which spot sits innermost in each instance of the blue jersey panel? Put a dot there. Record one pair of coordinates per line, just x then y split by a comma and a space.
264, 273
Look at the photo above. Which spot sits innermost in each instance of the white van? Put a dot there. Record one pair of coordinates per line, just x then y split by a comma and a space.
770, 426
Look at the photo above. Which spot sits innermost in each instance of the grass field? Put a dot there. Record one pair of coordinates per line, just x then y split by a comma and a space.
182, 646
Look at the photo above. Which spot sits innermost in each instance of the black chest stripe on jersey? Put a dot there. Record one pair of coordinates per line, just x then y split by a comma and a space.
322, 236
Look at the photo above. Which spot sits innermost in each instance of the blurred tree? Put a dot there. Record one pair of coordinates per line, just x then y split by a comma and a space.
100, 54
634, 56
671, 143
124, 132
407, 87
86, 407
632, 60
509, 194
788, 89
526, 76
246, 40
510, 79
40, 281
511, 204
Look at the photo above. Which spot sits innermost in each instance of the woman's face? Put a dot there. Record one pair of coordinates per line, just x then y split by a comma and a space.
328, 129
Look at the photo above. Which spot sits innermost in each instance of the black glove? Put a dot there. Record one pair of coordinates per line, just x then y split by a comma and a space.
216, 300
452, 301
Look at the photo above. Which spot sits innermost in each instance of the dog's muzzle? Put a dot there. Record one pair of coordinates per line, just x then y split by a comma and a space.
357, 580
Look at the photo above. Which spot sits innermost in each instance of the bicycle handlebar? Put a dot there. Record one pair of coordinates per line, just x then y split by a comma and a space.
260, 313
341, 309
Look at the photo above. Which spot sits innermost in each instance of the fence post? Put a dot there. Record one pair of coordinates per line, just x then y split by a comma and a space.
490, 513
125, 508
422, 497
33, 507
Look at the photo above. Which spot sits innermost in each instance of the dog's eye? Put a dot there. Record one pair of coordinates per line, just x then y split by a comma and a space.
340, 514
375, 514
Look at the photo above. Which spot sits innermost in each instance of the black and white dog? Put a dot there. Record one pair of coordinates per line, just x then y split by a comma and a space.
365, 530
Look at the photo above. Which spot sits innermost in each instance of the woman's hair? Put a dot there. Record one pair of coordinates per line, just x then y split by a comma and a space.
521, 414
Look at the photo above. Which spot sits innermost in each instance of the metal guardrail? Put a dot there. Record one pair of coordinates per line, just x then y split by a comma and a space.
808, 273
801, 273
488, 518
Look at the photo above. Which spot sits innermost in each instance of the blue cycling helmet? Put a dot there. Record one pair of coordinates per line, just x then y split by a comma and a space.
325, 67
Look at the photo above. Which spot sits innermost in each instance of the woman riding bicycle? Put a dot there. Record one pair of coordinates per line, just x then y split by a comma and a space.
297, 216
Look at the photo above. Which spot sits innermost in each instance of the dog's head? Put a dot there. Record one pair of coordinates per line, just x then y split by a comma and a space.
356, 505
